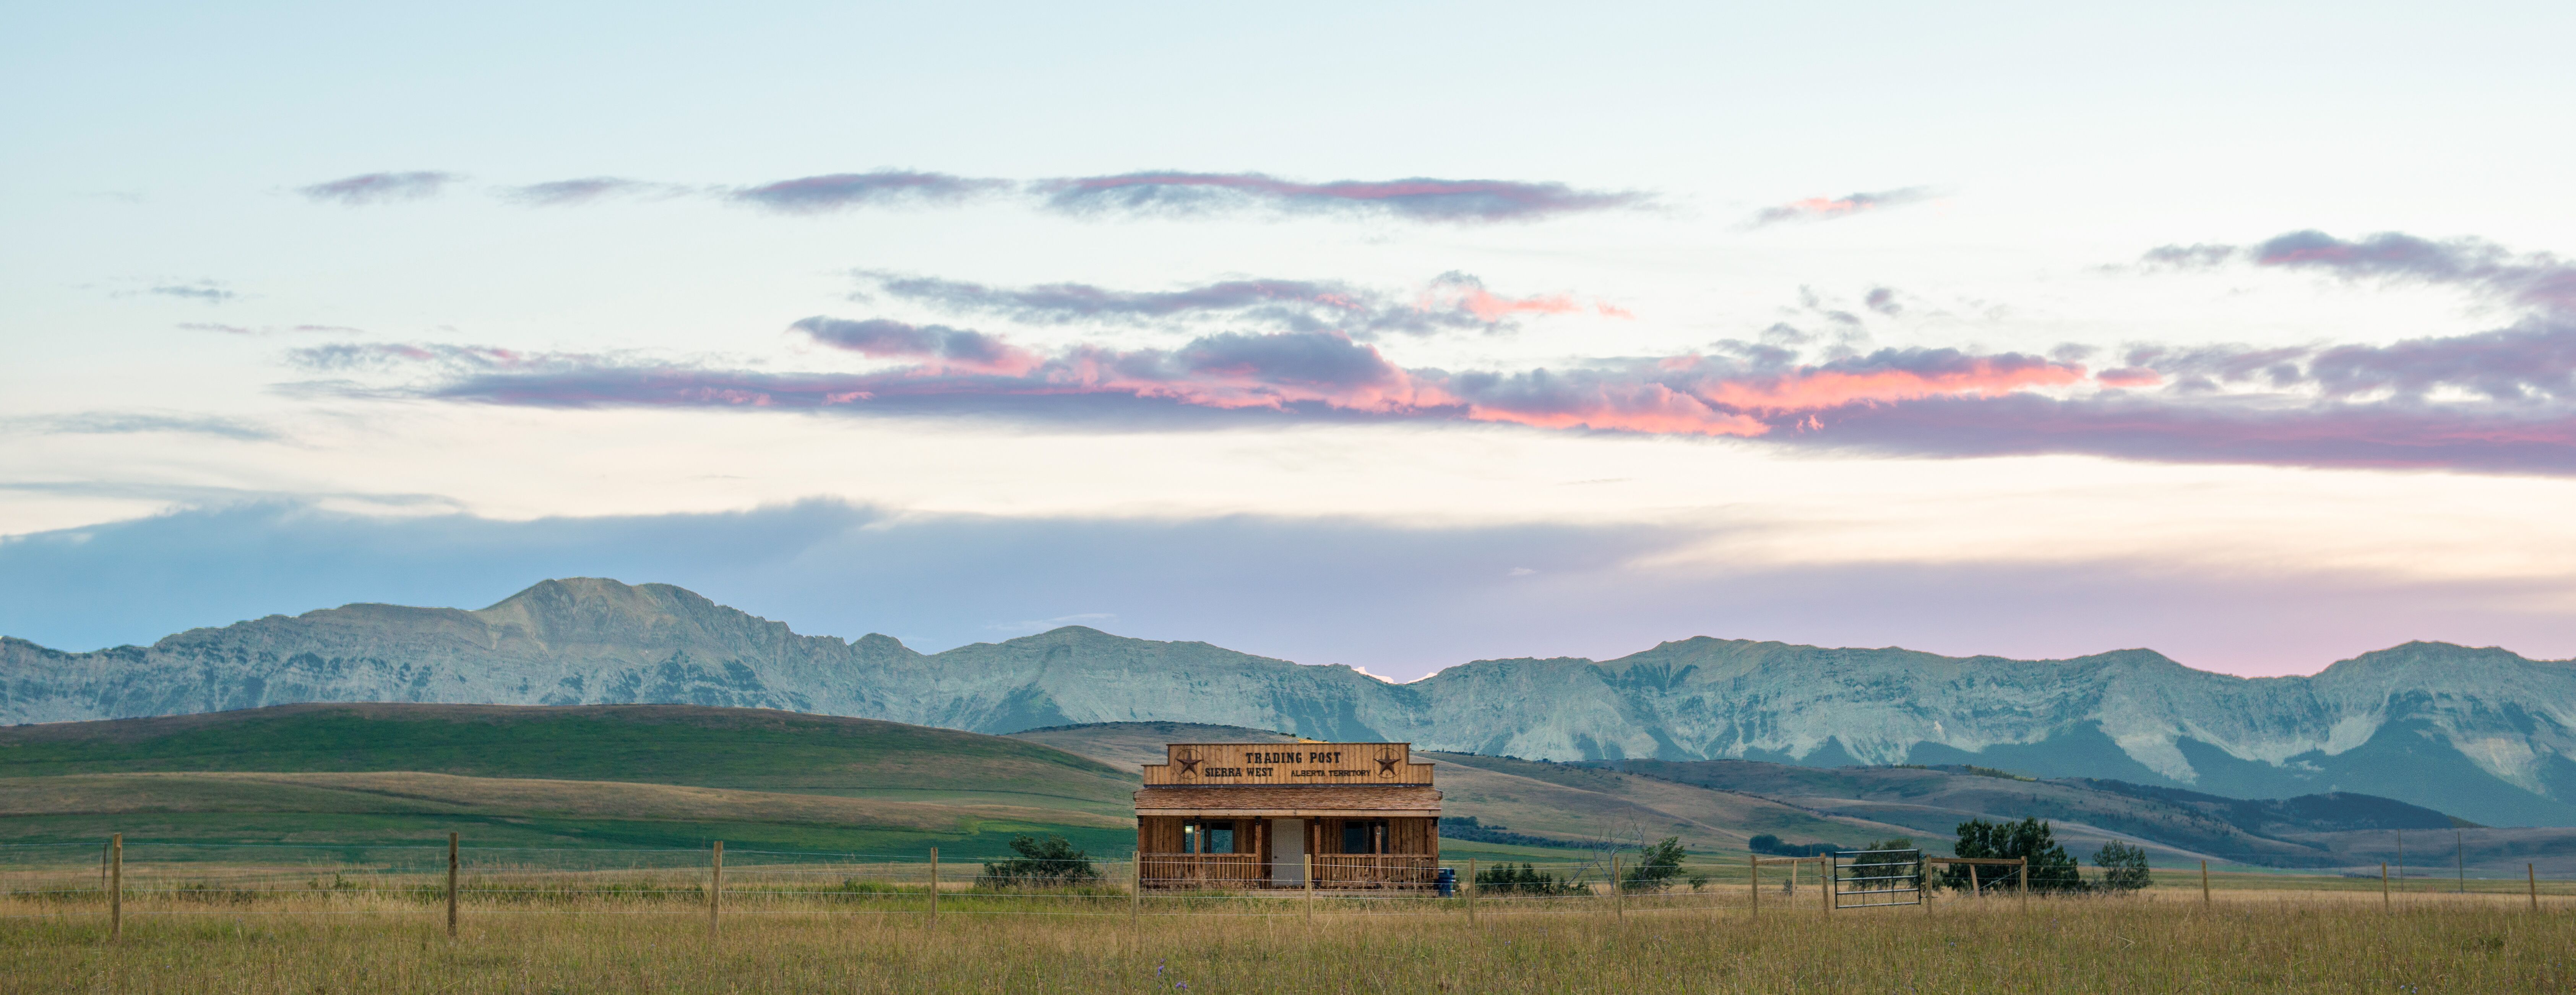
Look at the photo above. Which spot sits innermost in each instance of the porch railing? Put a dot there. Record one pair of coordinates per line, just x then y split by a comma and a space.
1244, 870
1202, 870
1375, 870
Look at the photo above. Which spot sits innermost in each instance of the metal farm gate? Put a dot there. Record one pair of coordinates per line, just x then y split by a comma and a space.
1863, 879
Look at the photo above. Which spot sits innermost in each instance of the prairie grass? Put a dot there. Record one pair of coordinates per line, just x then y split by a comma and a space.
347, 940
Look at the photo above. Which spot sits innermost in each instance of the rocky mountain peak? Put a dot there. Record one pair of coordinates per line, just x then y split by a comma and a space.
2479, 732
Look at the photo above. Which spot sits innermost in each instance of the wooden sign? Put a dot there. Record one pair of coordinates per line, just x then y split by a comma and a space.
1287, 764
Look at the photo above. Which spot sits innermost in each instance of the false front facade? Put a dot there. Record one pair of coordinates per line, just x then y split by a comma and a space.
1288, 815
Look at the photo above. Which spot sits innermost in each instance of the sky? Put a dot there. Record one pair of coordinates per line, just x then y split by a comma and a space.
1392, 335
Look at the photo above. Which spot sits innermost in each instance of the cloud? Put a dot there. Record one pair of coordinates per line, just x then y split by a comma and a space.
1063, 303
137, 422
559, 193
2523, 371
1417, 198
203, 290
451, 360
2129, 376
2502, 401
1158, 193
2536, 281
2498, 401
950, 348
1462, 292
819, 194
1451, 301
1298, 374
2224, 430
1832, 208
2186, 256
379, 188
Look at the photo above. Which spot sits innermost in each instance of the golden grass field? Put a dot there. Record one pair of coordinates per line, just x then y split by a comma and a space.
551, 936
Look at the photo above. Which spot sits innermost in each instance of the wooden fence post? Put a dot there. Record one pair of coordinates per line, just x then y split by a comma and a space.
2025, 884
1829, 872
1753, 867
451, 884
2204, 881
1136, 891
1310, 887
1618, 905
116, 886
2532, 873
934, 886
715, 887
2383, 886
1471, 891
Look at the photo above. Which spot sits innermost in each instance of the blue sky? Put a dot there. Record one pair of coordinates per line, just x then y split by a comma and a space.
1389, 335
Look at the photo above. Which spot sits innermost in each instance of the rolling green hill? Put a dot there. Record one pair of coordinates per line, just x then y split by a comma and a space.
1518, 803
624, 775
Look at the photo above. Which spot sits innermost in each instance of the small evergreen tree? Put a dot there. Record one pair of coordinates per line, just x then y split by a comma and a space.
2051, 869
1886, 871
1656, 867
1043, 861
1527, 880
2124, 867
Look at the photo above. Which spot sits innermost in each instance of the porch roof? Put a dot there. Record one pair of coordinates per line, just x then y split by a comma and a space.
1364, 801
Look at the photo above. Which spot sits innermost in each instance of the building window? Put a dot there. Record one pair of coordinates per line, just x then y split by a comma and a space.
1213, 836
1363, 836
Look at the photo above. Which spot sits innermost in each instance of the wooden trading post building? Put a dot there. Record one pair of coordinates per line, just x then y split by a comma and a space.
1249, 815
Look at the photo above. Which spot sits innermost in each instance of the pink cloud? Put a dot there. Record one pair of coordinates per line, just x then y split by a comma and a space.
1461, 292
1831, 208
1816, 389
2495, 401
1313, 371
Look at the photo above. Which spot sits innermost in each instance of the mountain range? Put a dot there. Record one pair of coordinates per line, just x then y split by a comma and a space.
2480, 733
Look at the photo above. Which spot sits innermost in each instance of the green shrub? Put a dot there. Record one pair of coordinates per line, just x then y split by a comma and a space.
1656, 867
1043, 862
1528, 880
2051, 870
2124, 867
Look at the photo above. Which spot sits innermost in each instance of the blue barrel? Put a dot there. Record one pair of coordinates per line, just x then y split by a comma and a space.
1446, 882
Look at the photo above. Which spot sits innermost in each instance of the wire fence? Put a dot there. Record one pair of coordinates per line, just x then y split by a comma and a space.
121, 880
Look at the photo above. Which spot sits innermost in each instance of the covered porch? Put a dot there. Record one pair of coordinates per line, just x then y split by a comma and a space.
1350, 837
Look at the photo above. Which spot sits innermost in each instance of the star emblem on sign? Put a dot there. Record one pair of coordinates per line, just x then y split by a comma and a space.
1386, 764
1189, 762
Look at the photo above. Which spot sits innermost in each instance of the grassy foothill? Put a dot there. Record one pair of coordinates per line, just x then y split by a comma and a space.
632, 776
